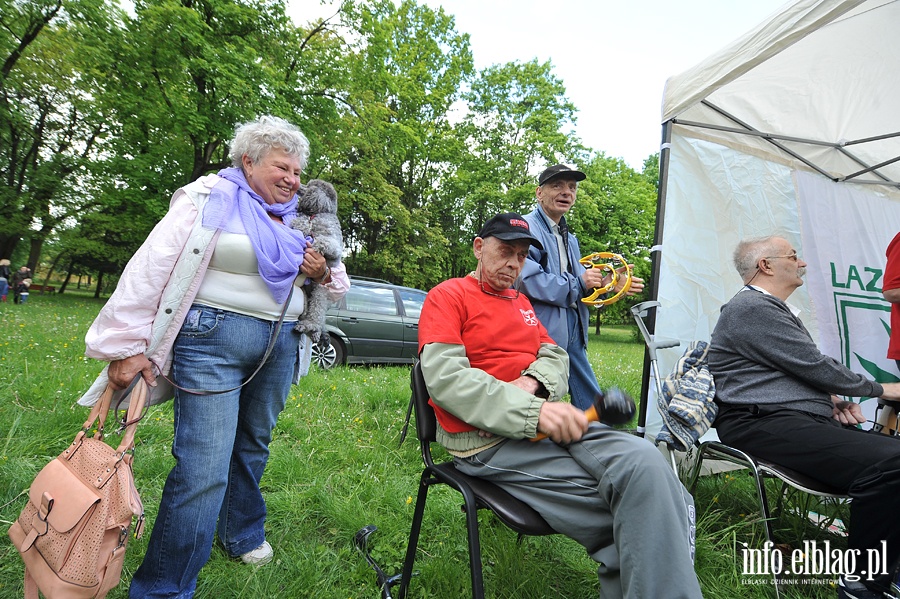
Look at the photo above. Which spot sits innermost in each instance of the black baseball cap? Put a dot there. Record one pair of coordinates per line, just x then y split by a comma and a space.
508, 227
560, 171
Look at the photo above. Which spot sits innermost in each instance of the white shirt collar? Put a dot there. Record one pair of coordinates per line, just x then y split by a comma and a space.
794, 309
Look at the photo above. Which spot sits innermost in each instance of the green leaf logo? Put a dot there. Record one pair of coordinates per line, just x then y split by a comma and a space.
882, 376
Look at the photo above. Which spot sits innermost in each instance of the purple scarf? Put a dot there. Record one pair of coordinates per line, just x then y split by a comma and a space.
279, 249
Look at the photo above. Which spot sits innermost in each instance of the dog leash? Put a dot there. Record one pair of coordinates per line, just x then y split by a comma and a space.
272, 339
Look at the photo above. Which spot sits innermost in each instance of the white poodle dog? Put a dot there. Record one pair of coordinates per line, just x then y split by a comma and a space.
317, 218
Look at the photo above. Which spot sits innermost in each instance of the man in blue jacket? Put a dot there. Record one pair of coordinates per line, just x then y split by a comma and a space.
555, 281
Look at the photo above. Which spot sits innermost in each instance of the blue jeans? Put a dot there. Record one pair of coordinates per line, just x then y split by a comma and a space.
583, 386
221, 446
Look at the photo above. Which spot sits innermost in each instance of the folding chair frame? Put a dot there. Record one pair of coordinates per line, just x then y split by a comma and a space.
759, 469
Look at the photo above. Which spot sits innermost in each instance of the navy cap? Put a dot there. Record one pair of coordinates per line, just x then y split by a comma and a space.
560, 171
508, 227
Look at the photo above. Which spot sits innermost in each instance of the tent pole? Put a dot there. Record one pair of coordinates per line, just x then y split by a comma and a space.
655, 256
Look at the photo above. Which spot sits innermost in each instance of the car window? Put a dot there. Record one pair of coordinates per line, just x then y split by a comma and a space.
412, 302
374, 300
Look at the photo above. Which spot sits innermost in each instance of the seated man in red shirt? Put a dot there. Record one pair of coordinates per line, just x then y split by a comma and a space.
496, 378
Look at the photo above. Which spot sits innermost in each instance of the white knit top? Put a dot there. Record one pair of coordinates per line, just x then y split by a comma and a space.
232, 282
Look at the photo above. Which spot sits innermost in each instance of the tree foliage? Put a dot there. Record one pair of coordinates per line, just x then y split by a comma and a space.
105, 113
49, 127
515, 124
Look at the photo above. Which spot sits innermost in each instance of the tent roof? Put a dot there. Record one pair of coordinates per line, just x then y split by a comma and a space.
815, 86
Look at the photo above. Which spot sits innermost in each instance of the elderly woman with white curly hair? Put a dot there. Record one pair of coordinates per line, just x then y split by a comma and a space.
201, 302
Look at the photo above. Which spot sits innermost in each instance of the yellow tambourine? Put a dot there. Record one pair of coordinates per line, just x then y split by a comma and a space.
591, 261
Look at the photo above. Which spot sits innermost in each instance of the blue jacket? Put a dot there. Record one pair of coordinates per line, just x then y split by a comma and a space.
552, 292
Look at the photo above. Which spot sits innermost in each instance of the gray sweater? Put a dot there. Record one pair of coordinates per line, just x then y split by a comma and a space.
760, 353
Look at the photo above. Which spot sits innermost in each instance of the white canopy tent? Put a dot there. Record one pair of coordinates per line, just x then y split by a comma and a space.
792, 129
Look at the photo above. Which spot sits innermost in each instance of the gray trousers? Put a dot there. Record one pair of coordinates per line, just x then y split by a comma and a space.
614, 494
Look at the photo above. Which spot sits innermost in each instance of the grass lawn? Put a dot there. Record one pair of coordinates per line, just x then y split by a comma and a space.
336, 466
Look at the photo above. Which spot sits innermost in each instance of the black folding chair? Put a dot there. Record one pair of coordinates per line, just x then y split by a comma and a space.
476, 493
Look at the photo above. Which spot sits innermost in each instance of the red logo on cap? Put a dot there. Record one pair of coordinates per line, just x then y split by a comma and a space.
515, 222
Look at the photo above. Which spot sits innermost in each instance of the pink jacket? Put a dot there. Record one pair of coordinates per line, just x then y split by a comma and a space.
157, 288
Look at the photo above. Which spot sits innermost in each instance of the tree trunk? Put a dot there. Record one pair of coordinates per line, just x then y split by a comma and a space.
34, 254
8, 245
68, 276
50, 272
99, 285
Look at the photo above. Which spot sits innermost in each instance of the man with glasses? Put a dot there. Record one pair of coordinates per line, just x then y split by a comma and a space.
555, 281
496, 379
778, 400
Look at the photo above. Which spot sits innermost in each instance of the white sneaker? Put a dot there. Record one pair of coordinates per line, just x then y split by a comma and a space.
259, 556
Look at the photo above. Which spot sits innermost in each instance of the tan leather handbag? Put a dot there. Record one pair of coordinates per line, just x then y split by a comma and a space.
73, 531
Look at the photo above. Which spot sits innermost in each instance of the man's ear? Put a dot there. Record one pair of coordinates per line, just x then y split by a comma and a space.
478, 247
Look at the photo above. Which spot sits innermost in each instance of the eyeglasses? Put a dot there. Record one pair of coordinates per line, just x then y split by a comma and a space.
792, 256
495, 294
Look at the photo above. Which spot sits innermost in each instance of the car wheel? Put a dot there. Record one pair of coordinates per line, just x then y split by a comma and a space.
327, 353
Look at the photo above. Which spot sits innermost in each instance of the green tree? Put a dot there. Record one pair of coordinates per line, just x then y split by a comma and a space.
651, 170
181, 76
104, 113
49, 124
178, 77
517, 120
394, 140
